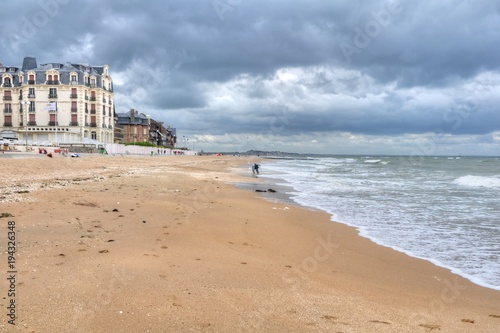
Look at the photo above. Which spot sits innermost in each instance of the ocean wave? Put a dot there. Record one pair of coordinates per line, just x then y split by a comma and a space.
478, 181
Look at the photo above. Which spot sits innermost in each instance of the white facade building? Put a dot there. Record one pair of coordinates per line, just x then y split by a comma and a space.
57, 103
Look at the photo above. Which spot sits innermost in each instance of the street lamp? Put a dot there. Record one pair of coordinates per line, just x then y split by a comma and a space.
25, 116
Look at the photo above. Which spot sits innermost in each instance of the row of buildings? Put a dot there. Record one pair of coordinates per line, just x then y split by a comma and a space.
70, 103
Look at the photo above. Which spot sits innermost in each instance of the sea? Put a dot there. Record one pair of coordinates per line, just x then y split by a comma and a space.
442, 209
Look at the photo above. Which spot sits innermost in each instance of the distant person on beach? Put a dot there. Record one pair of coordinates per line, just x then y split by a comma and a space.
255, 169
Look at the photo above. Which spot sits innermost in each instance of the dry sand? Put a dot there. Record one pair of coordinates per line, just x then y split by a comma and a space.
166, 244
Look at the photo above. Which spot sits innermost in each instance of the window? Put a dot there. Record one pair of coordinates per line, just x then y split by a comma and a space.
31, 93
31, 79
94, 135
7, 108
74, 79
53, 93
6, 82
74, 106
73, 93
32, 106
7, 121
7, 95
53, 119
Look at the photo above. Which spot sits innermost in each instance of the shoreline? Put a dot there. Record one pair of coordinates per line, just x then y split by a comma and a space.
289, 199
186, 250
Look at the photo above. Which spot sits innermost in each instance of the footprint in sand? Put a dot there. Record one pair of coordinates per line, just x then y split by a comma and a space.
430, 327
470, 321
380, 322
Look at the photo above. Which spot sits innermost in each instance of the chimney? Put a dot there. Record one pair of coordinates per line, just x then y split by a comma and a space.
29, 63
132, 115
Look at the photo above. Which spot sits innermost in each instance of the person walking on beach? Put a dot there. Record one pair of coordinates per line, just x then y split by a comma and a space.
255, 168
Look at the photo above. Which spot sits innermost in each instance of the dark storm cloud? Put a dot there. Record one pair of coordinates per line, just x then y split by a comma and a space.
219, 66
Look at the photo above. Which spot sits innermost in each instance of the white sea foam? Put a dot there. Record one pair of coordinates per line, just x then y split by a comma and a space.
478, 181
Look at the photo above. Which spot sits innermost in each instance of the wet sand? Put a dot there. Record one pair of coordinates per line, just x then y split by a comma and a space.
167, 244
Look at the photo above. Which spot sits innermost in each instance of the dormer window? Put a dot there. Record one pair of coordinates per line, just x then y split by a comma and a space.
52, 79
7, 82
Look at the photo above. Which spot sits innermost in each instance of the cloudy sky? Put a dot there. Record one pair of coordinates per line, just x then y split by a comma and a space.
323, 76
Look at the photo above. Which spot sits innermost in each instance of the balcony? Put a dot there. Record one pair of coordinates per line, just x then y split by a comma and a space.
87, 124
110, 126
93, 124
52, 95
21, 97
7, 124
31, 110
86, 110
104, 100
31, 95
31, 81
31, 123
93, 85
73, 123
7, 110
74, 83
86, 98
52, 83
92, 112
93, 98
73, 96
104, 126
7, 85
7, 98
53, 123
74, 109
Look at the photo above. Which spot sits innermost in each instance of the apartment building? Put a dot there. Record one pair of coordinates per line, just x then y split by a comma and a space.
57, 103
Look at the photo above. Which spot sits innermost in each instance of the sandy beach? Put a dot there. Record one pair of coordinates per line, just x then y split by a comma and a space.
169, 244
